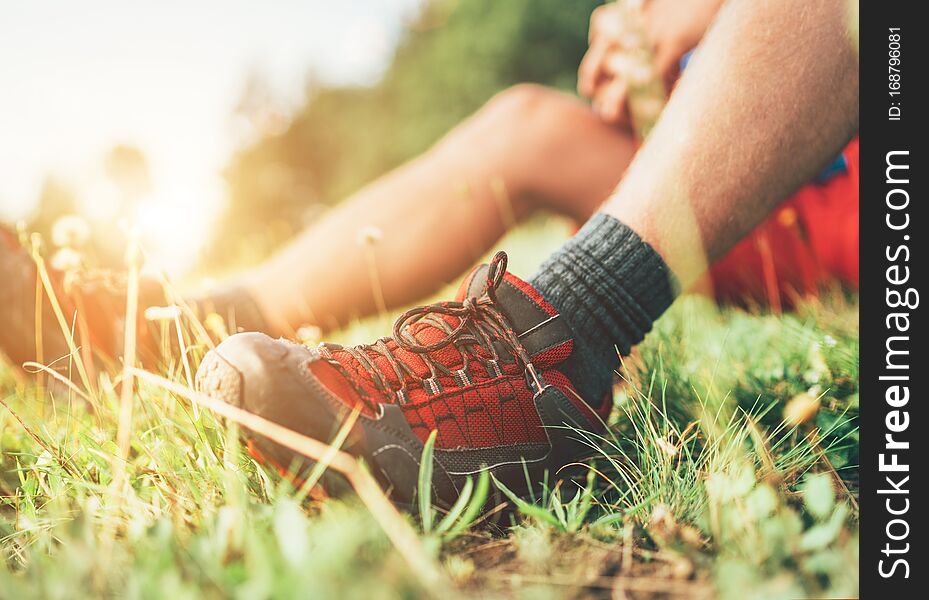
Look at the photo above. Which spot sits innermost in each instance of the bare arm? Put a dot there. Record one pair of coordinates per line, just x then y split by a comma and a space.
770, 97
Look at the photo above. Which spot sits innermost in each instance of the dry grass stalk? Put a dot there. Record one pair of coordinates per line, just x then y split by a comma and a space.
388, 517
124, 431
49, 290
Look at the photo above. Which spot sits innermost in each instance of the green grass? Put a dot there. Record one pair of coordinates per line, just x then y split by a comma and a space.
701, 489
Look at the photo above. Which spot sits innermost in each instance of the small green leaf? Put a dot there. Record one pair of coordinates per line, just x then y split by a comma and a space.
558, 508
425, 483
478, 499
291, 532
586, 499
611, 518
818, 495
460, 504
530, 510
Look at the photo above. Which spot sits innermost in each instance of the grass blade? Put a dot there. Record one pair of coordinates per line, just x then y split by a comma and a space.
460, 504
530, 510
425, 483
478, 499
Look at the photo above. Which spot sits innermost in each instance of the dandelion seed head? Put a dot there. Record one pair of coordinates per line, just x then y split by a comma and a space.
66, 259
70, 231
667, 447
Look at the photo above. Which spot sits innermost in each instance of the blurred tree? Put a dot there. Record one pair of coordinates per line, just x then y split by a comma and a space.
125, 180
127, 167
453, 58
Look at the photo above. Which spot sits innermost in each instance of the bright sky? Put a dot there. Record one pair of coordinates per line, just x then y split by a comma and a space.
76, 78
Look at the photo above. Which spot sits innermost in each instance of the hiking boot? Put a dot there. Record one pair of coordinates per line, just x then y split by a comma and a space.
485, 371
93, 306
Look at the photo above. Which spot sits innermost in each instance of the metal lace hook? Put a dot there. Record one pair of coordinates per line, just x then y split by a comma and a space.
534, 380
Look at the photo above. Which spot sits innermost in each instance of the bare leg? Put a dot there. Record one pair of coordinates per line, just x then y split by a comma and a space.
529, 147
708, 175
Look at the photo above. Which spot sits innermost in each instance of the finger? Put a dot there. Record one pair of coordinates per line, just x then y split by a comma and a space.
590, 70
595, 17
611, 101
603, 22
667, 63
633, 68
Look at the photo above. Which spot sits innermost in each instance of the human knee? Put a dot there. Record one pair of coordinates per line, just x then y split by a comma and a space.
520, 109
520, 122
522, 98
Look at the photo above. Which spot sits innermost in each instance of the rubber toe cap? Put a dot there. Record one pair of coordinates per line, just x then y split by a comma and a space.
266, 377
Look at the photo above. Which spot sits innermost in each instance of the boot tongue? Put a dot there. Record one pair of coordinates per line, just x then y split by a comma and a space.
474, 283
534, 320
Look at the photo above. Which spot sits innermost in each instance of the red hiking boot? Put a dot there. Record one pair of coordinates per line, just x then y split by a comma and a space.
486, 371
92, 304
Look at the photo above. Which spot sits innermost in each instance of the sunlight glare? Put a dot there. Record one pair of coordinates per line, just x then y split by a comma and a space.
173, 225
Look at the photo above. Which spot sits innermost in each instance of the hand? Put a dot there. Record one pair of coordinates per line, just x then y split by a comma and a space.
669, 28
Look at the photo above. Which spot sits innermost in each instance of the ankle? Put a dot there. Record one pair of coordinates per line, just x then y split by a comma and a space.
610, 286
238, 306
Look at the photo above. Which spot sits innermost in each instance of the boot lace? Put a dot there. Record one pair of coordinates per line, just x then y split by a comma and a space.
481, 329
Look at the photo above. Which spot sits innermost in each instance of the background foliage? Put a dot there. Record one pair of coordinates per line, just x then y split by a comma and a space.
452, 60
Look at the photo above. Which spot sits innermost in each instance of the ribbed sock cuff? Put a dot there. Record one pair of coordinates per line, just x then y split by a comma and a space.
609, 284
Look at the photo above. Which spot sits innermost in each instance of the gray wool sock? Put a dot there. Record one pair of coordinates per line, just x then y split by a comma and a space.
235, 305
610, 286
